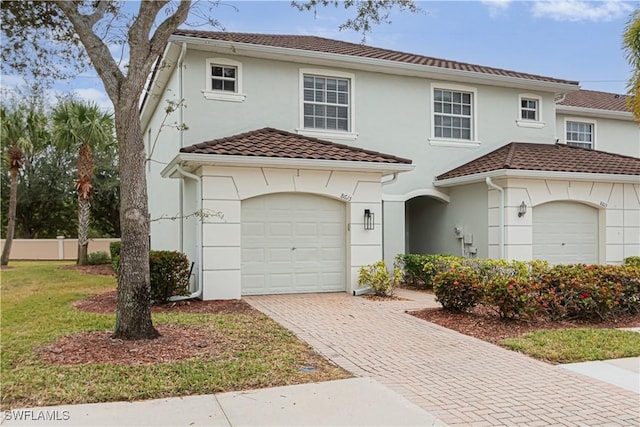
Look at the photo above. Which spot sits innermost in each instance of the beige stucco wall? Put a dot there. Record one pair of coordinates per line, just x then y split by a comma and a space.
53, 249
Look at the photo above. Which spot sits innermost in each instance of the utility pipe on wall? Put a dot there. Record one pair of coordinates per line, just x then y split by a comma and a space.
199, 287
501, 190
183, 50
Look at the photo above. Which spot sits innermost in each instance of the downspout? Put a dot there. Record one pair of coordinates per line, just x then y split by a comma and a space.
393, 179
501, 190
180, 121
198, 291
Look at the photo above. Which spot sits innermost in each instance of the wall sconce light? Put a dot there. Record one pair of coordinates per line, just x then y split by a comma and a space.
522, 209
368, 220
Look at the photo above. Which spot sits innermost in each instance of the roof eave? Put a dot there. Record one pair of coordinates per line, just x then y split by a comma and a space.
196, 160
595, 112
160, 80
377, 65
536, 174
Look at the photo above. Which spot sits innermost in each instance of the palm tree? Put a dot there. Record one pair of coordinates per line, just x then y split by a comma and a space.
15, 131
82, 126
631, 45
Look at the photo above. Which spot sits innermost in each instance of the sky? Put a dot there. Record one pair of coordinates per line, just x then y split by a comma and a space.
567, 39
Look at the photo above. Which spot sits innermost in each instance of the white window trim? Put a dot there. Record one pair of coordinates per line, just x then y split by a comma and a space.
351, 135
451, 142
526, 123
220, 95
592, 122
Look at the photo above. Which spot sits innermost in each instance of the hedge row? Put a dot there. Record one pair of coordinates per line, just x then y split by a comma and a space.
169, 272
517, 289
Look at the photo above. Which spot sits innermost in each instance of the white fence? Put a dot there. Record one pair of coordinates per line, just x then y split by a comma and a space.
53, 249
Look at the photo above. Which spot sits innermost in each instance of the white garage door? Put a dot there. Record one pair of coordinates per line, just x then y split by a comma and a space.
565, 233
293, 243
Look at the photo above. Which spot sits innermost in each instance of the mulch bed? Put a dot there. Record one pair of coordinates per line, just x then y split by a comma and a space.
177, 342
485, 324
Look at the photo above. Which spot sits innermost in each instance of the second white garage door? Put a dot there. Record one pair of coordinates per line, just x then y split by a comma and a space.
565, 233
293, 243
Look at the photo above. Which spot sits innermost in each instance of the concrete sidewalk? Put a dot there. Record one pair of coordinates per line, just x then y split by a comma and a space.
624, 373
350, 402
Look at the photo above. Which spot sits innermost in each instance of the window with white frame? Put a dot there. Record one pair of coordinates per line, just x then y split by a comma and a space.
580, 134
453, 114
223, 80
327, 104
529, 109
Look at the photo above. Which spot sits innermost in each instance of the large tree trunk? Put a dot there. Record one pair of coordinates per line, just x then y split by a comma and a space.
11, 223
133, 313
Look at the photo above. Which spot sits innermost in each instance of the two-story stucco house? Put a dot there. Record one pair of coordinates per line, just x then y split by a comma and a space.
309, 157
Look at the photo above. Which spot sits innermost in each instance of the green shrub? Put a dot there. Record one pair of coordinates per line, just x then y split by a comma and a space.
517, 289
628, 276
512, 297
419, 270
584, 291
169, 272
459, 288
169, 275
633, 261
114, 249
411, 266
378, 278
98, 258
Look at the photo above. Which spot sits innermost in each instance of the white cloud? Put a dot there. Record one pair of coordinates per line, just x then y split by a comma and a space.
95, 95
579, 10
496, 7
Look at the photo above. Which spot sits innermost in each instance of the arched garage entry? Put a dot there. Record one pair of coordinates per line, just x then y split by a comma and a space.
565, 233
293, 243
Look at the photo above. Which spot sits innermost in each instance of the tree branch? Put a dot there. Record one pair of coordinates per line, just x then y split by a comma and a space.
101, 9
105, 65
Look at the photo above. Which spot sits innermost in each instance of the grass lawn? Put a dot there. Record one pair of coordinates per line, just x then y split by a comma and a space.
576, 345
36, 303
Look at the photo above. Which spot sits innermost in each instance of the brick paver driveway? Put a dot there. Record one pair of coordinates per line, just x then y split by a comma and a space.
459, 379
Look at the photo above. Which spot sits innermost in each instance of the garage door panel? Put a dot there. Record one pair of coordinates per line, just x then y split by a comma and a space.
278, 223
565, 233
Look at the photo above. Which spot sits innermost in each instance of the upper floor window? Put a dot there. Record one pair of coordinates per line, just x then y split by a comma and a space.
580, 134
529, 111
452, 114
327, 104
223, 80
